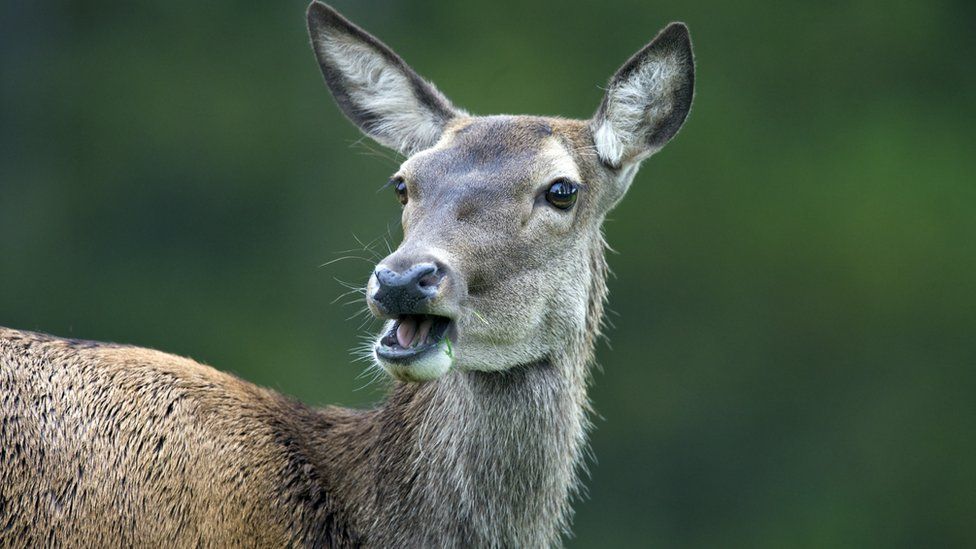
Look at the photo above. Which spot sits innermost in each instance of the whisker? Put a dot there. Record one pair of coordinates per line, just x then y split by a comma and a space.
358, 289
343, 258
347, 285
368, 247
356, 314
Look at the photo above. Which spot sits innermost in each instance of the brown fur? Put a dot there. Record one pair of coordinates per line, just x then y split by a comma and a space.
116, 445
106, 444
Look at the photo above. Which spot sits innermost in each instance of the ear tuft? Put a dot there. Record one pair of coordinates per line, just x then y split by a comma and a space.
647, 100
374, 87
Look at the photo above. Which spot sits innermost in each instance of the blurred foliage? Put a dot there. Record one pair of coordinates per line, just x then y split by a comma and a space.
792, 361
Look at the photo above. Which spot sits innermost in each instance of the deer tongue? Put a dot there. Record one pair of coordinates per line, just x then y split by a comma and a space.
406, 330
413, 330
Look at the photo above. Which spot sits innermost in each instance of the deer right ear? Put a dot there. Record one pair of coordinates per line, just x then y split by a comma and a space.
647, 100
376, 89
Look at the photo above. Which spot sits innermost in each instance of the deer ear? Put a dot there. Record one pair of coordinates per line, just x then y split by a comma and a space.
647, 100
374, 87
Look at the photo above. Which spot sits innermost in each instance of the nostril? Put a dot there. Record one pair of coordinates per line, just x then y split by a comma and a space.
430, 280
427, 276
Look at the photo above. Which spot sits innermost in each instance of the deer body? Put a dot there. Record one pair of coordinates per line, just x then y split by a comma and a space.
493, 302
116, 445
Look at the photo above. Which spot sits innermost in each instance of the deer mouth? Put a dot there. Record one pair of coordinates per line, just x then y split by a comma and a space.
413, 336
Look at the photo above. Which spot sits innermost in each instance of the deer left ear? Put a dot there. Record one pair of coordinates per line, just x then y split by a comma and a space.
647, 101
376, 89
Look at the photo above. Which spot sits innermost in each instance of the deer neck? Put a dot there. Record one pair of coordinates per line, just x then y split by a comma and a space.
482, 458
477, 456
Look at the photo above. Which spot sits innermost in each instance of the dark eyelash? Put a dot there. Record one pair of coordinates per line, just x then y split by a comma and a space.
392, 181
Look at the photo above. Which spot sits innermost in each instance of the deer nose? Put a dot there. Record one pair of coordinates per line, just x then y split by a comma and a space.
408, 291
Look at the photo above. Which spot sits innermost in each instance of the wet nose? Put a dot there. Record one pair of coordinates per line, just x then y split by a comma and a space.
407, 291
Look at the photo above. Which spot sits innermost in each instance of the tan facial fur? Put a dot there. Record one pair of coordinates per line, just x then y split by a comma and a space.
520, 267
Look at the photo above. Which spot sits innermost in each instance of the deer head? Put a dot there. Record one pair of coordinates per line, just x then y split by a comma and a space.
502, 250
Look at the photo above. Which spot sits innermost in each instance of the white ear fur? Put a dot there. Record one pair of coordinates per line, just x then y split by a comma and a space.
374, 87
647, 100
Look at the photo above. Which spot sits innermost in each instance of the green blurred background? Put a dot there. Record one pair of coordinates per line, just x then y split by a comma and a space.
792, 361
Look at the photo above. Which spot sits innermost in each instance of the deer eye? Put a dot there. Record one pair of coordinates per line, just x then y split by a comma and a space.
562, 194
400, 188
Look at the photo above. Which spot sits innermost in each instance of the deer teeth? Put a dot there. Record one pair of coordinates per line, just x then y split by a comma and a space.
415, 331
424, 330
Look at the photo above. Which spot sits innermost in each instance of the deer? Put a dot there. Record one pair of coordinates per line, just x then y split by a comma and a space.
492, 304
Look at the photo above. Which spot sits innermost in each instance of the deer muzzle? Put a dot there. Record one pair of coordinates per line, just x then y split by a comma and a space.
419, 300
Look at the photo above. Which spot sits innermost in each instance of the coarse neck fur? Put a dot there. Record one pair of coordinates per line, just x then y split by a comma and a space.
475, 458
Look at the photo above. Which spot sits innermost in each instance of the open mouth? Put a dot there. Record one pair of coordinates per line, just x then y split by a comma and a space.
413, 336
